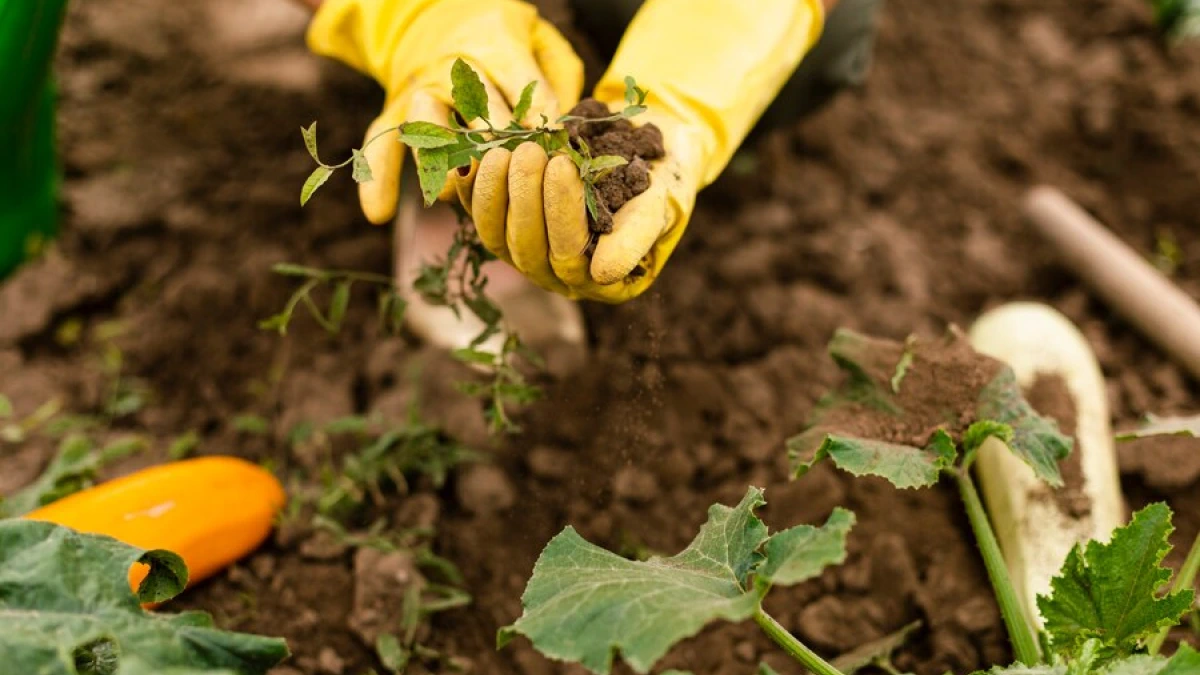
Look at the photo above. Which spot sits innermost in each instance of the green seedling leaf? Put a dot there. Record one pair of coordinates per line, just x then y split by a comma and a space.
67, 603
1109, 591
294, 270
633, 110
597, 167
432, 166
251, 424
1035, 439
803, 552
585, 604
338, 304
315, 180
73, 468
426, 135
392, 654
902, 366
764, 669
634, 95
6, 407
310, 141
904, 466
470, 96
469, 355
524, 103
1021, 669
360, 169
979, 432
183, 445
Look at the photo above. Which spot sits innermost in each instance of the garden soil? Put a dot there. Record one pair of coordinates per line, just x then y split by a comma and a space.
892, 211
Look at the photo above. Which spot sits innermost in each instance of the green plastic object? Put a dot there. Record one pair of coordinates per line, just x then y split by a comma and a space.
29, 174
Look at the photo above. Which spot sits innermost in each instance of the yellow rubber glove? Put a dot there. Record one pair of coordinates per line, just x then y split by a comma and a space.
712, 67
408, 46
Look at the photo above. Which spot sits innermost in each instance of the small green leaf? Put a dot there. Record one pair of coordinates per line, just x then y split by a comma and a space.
67, 604
310, 141
589, 199
475, 356
525, 102
875, 651
902, 366
183, 445
315, 180
982, 430
392, 655
360, 170
294, 270
251, 424
584, 604
432, 167
426, 135
1021, 669
6, 407
802, 552
73, 468
470, 96
1035, 439
1165, 426
1109, 591
339, 303
904, 466
1186, 661
276, 322
633, 110
598, 166
764, 669
633, 93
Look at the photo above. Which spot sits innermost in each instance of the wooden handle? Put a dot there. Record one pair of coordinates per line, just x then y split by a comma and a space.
1140, 293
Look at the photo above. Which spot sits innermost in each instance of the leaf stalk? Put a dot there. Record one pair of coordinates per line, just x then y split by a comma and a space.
795, 648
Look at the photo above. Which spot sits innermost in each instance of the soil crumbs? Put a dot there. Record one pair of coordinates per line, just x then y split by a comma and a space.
891, 212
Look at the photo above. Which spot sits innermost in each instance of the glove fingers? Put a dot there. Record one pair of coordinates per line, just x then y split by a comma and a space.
425, 107
637, 225
566, 221
516, 77
526, 233
464, 183
379, 196
489, 201
562, 68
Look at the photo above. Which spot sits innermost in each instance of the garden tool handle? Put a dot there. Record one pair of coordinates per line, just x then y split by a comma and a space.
1139, 292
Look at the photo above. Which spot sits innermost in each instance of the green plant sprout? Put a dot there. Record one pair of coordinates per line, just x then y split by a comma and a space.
457, 281
74, 468
67, 607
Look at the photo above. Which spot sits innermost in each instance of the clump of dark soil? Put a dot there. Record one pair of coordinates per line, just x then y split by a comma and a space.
637, 144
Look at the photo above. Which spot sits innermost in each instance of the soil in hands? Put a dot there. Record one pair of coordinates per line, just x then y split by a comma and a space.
636, 144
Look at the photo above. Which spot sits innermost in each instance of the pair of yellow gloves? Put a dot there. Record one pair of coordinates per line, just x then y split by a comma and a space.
711, 67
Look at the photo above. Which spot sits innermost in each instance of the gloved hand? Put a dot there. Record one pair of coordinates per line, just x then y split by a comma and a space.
712, 67
408, 46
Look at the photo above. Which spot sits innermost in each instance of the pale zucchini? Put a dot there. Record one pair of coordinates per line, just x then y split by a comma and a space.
1034, 532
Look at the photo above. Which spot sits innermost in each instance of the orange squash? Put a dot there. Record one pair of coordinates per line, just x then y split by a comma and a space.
209, 510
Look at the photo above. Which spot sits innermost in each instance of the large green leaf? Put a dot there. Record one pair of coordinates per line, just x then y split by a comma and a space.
65, 599
1109, 591
585, 604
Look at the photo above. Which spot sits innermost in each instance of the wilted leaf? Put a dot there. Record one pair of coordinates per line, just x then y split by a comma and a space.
66, 599
874, 651
360, 170
585, 604
470, 96
310, 141
426, 135
432, 167
1109, 591
315, 180
802, 552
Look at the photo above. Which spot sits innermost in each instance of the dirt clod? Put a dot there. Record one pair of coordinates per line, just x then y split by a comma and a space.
485, 490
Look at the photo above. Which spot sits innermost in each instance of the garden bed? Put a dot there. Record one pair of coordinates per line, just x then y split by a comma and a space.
892, 211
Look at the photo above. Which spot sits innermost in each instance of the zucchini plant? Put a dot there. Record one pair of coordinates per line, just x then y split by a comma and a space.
912, 413
66, 607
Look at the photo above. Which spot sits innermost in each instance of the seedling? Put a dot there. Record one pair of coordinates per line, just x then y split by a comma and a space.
73, 469
457, 281
67, 608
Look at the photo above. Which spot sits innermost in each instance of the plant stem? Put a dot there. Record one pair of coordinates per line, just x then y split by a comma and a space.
792, 646
1184, 581
1020, 632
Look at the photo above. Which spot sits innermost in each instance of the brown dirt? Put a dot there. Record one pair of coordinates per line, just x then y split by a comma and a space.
637, 144
1050, 396
891, 212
